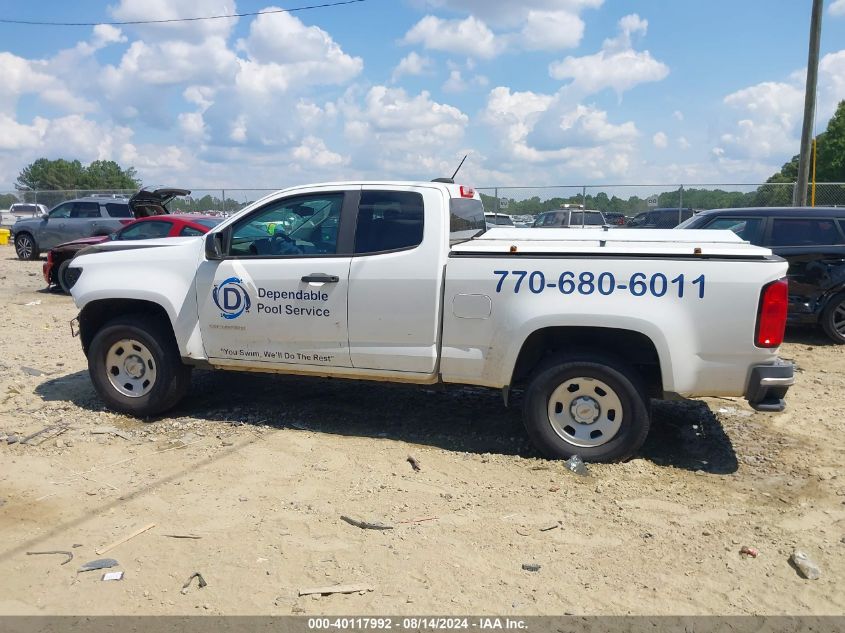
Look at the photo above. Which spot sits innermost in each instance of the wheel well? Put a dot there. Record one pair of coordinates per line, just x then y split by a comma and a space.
634, 348
98, 313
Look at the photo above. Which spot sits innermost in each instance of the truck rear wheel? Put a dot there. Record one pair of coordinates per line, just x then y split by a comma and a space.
587, 405
135, 366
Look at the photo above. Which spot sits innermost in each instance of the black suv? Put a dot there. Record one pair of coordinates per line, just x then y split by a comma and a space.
660, 218
812, 240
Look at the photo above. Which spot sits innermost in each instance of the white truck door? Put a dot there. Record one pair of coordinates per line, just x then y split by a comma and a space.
395, 280
279, 296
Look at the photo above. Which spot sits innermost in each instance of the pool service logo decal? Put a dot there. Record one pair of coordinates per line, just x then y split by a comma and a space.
231, 298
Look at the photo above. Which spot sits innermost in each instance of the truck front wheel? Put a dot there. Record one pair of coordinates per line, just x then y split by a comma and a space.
587, 405
135, 366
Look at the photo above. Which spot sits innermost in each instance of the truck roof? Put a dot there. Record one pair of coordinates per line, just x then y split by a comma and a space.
613, 241
454, 189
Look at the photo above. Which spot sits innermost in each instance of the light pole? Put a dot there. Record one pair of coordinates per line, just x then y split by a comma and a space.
799, 196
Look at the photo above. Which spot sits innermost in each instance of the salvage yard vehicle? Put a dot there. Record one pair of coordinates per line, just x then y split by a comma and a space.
55, 269
570, 219
812, 241
86, 217
400, 282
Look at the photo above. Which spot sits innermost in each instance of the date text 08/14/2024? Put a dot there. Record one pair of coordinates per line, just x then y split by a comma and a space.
587, 283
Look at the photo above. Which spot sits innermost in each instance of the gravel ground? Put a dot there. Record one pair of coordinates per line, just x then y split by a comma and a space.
261, 468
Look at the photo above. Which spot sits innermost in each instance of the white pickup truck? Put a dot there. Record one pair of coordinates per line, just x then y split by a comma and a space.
400, 282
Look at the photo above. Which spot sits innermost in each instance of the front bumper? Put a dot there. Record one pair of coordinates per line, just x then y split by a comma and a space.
768, 384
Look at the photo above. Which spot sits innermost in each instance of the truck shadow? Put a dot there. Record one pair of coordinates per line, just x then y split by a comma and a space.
463, 419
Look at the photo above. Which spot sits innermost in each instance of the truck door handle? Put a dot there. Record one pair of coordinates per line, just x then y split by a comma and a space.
316, 278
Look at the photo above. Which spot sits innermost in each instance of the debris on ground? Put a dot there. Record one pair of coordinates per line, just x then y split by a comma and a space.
110, 430
113, 575
47, 433
199, 578
421, 520
745, 551
62, 552
550, 526
190, 536
325, 591
100, 563
32, 371
365, 525
531, 567
37, 302
121, 541
576, 465
414, 463
805, 565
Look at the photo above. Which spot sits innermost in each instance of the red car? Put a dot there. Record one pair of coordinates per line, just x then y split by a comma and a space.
171, 225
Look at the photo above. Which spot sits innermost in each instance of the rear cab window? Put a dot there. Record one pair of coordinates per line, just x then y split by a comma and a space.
389, 221
466, 219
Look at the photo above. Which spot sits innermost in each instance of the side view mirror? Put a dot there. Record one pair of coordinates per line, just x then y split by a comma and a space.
215, 245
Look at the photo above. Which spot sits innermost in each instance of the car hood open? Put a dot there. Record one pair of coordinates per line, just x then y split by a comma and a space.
149, 202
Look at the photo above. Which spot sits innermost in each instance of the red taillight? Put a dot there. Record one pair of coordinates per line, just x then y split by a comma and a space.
467, 192
49, 257
771, 317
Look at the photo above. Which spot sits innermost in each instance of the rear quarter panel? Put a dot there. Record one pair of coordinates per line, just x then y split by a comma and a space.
705, 344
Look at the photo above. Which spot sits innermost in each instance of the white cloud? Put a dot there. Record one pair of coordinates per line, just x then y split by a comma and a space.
683, 143
585, 126
552, 30
18, 136
660, 140
678, 115
508, 13
771, 113
837, 8
412, 64
470, 36
195, 30
617, 65
455, 83
313, 151
284, 53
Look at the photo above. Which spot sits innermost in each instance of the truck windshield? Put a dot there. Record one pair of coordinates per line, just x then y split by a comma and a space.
466, 219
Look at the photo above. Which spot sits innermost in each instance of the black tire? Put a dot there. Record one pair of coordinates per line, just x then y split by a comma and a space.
62, 277
625, 386
833, 318
26, 247
171, 380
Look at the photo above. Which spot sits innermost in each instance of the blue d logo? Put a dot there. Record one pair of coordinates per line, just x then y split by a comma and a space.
231, 298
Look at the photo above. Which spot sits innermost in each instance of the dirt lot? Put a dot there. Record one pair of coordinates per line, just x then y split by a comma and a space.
261, 467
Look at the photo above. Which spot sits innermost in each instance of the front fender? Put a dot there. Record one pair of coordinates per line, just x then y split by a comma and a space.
161, 275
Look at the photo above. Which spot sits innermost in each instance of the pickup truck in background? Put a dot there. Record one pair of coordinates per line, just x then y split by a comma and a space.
401, 282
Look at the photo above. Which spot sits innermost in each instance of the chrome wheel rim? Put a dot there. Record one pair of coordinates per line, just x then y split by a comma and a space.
24, 246
131, 368
585, 412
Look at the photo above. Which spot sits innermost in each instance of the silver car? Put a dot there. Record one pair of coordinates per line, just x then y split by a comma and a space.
86, 217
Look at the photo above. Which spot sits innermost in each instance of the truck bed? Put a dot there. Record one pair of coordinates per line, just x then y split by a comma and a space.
611, 242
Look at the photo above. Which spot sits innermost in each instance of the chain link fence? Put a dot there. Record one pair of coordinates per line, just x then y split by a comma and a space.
621, 203
653, 206
214, 201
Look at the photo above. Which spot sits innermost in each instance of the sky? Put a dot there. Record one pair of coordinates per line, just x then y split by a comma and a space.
537, 92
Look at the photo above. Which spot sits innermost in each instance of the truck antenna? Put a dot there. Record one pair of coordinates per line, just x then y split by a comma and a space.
459, 167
